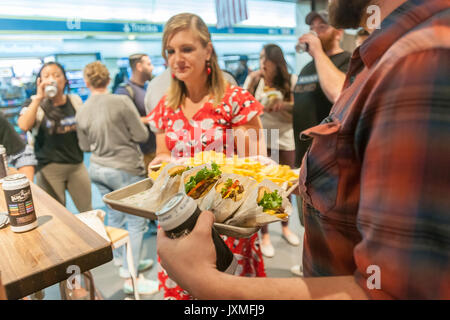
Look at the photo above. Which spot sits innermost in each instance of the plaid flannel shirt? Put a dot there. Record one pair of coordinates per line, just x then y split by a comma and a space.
376, 180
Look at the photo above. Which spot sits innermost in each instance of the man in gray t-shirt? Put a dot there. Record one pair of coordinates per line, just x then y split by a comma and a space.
135, 88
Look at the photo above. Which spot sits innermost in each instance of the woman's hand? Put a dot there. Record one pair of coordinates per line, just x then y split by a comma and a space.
28, 118
274, 104
145, 120
160, 158
163, 153
314, 44
40, 88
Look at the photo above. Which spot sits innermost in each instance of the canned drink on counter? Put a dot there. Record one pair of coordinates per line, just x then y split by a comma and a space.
3, 163
19, 201
178, 217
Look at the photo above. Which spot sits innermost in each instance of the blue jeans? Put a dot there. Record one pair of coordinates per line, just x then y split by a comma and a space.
107, 180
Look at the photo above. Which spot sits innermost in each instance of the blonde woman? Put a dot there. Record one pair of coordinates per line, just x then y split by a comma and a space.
199, 100
110, 127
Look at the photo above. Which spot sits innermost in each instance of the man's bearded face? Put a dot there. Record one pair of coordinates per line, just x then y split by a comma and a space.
345, 14
328, 38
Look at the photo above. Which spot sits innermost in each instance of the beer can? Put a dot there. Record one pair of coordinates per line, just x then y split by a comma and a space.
301, 47
304, 47
3, 163
51, 90
178, 217
19, 201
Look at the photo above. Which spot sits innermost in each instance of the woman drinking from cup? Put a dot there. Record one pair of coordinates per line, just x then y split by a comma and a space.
50, 116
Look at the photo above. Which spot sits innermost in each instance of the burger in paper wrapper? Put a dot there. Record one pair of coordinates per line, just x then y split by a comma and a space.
198, 181
177, 170
270, 94
164, 187
265, 204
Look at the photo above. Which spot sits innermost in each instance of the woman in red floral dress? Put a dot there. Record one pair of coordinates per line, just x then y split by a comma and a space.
194, 116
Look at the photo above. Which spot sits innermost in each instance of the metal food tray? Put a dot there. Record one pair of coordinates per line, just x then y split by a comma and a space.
114, 198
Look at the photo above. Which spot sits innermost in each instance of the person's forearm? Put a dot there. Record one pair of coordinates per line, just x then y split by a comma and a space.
288, 105
248, 140
330, 77
28, 171
144, 120
26, 121
161, 146
217, 285
163, 154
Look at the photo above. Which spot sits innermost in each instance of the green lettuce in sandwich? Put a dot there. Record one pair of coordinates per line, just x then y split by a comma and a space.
201, 182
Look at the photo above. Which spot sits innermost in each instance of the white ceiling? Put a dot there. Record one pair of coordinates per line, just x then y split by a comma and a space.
261, 12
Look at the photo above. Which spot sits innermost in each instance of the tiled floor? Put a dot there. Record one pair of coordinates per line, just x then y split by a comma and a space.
110, 284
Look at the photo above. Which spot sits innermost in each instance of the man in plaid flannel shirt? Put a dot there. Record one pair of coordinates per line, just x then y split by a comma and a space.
376, 180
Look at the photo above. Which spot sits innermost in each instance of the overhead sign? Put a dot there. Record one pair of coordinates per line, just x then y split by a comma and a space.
78, 25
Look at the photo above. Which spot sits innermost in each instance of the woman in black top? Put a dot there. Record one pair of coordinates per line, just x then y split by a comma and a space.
52, 122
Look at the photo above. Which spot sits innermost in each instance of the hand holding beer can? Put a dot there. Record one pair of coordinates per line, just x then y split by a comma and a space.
304, 47
178, 217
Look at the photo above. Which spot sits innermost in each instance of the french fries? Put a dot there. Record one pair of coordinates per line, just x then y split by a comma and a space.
155, 174
282, 175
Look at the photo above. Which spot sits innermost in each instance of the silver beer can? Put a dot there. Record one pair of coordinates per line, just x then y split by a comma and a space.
51, 90
304, 47
19, 201
178, 217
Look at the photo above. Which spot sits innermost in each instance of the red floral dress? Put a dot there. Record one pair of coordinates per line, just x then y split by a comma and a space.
207, 131
207, 128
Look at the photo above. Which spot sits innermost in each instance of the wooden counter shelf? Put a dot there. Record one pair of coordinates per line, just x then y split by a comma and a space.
37, 259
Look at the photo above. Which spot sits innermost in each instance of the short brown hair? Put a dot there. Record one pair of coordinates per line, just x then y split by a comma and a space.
97, 74
134, 59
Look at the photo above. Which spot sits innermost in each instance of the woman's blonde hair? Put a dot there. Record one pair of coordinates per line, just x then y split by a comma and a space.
216, 81
97, 74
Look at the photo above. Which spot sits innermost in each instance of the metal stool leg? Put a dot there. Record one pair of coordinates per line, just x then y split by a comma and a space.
131, 269
62, 289
89, 282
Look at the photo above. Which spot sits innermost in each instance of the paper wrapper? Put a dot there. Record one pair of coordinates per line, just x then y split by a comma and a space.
225, 208
156, 197
250, 214
187, 173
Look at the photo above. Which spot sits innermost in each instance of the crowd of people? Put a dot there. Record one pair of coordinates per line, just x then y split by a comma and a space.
369, 131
